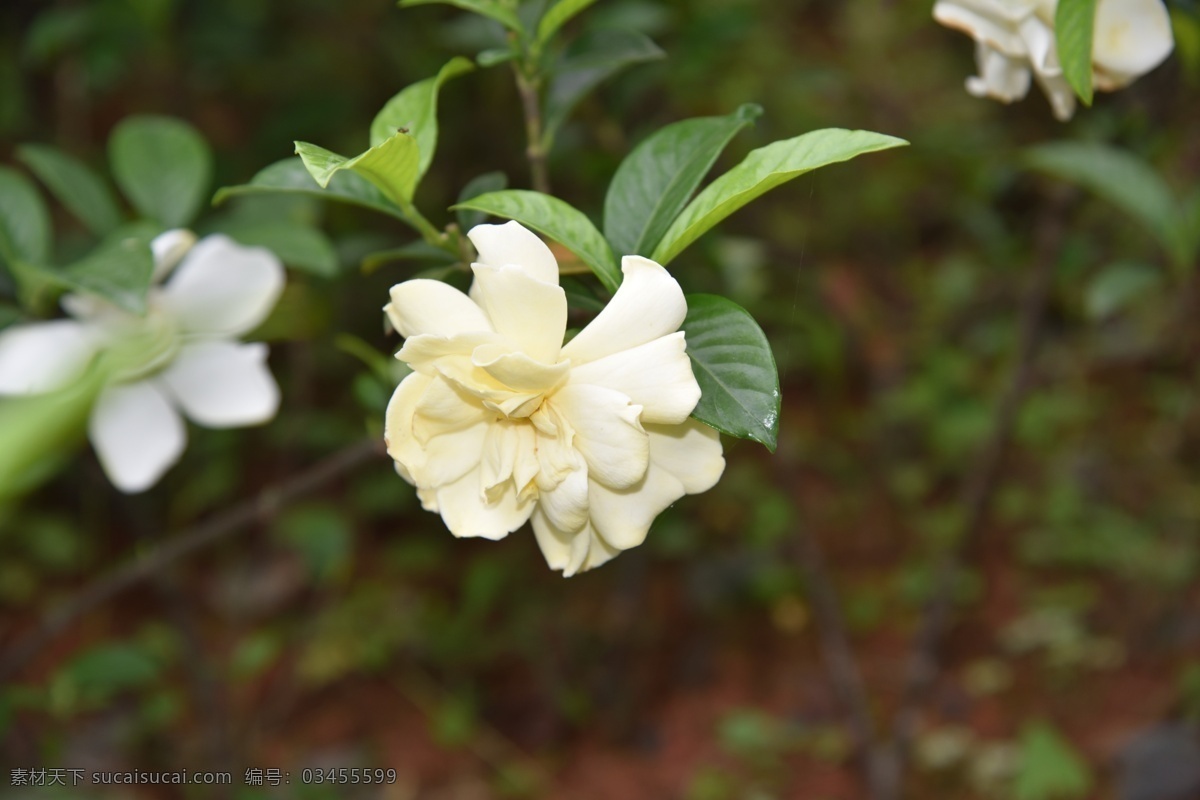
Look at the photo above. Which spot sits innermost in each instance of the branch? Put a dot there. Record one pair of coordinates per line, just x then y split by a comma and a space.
264, 506
535, 144
923, 667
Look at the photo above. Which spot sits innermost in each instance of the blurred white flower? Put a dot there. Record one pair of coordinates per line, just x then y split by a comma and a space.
192, 360
501, 423
1015, 37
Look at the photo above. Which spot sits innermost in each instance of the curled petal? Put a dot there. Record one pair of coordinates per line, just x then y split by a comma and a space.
1132, 37
137, 435
223, 288
443, 408
1000, 77
530, 313
607, 433
168, 248
398, 434
43, 356
566, 505
423, 306
648, 304
517, 370
221, 384
990, 23
450, 456
656, 375
467, 511
512, 244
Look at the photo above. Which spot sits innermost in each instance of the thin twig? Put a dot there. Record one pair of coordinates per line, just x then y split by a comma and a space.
978, 490
535, 146
265, 505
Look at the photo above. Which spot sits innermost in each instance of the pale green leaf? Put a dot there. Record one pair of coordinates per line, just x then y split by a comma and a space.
24, 220
492, 9
1125, 181
163, 166
75, 185
1118, 285
391, 166
655, 181
590, 60
290, 176
414, 110
762, 170
735, 368
1050, 769
558, 15
1074, 23
557, 220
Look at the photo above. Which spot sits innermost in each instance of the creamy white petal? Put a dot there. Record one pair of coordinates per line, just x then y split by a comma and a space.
518, 371
607, 432
1132, 37
443, 408
1059, 92
656, 375
423, 306
684, 459
647, 305
555, 544
168, 248
993, 24
43, 356
222, 384
137, 435
223, 288
451, 455
598, 552
566, 505
509, 454
402, 444
512, 244
467, 512
530, 313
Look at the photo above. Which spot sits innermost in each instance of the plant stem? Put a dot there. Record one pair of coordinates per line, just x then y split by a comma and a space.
264, 506
529, 84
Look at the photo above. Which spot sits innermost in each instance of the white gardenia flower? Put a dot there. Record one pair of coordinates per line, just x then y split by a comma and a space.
194, 363
500, 423
1016, 37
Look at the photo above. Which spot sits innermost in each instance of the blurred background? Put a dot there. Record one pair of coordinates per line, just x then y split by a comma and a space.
347, 628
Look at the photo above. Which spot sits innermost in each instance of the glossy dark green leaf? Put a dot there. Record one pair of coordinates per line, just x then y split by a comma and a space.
656, 180
494, 9
391, 166
163, 165
290, 176
481, 184
299, 246
590, 60
24, 220
414, 110
762, 170
735, 368
1125, 181
557, 220
420, 252
1074, 23
75, 185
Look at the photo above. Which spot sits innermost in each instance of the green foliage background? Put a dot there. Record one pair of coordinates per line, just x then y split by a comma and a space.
887, 287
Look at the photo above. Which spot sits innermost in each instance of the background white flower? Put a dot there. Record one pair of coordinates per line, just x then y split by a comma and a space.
500, 423
192, 361
1016, 37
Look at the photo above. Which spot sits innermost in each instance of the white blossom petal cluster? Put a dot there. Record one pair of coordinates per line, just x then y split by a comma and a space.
1015, 40
217, 291
500, 422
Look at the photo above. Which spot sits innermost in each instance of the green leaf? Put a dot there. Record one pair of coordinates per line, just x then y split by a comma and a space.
290, 176
481, 184
493, 9
414, 109
112, 667
75, 185
762, 170
559, 221
24, 220
1074, 23
495, 55
558, 15
1117, 286
656, 180
299, 246
733, 364
419, 251
591, 59
1125, 181
320, 534
391, 166
1050, 769
163, 166
119, 269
